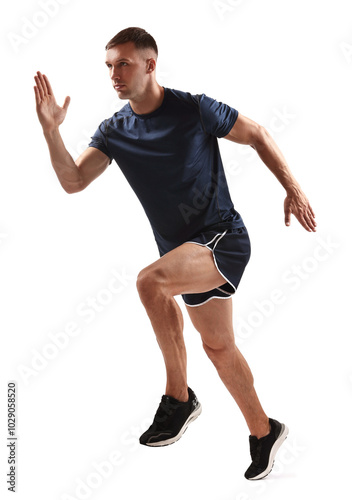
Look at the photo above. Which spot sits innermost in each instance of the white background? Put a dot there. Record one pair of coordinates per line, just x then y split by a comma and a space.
99, 392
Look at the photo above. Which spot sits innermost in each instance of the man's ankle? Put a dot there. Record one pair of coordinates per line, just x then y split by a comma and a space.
261, 430
179, 394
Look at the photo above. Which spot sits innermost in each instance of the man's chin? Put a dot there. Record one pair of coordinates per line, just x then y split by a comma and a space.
122, 92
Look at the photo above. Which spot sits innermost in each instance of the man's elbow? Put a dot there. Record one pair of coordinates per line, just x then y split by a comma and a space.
72, 188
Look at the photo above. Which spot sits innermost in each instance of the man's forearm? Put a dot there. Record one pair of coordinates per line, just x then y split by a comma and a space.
271, 155
66, 170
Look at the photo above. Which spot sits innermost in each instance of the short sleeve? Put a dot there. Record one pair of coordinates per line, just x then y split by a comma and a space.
217, 118
99, 140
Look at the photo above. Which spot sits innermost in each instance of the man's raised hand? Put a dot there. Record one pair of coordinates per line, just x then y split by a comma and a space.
50, 114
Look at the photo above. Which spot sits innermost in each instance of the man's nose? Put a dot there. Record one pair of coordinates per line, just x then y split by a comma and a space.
115, 74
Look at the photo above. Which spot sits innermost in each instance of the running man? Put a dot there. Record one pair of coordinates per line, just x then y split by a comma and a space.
166, 143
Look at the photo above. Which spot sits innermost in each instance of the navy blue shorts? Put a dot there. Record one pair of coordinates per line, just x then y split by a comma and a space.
231, 250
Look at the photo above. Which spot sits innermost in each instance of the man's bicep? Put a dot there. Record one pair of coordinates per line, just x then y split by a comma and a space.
244, 131
91, 163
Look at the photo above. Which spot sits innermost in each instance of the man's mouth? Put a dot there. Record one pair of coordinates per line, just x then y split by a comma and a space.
119, 86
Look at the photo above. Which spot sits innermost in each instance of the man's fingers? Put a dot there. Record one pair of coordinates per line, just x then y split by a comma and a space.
300, 216
310, 222
39, 86
305, 219
45, 85
311, 211
48, 86
309, 216
42, 81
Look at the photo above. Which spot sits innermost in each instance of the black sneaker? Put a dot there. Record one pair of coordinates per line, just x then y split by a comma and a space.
263, 450
171, 420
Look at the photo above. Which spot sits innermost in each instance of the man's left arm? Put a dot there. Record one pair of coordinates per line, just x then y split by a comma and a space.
246, 131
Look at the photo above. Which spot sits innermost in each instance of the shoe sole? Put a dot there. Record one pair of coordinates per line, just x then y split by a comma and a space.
195, 414
281, 438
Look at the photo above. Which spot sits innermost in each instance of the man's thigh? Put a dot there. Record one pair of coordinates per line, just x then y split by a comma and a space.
188, 268
214, 321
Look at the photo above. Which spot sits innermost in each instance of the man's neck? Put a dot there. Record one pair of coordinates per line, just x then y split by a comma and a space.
151, 101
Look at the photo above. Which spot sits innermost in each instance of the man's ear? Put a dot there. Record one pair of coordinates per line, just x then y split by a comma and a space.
151, 64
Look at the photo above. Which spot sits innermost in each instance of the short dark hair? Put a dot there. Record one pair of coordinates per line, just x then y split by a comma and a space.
138, 36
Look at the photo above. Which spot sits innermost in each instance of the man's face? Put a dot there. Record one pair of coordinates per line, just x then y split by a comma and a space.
128, 70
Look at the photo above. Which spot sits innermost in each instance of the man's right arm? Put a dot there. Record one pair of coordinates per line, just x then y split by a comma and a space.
73, 175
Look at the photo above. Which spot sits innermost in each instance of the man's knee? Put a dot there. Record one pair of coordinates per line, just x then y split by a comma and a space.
220, 351
150, 282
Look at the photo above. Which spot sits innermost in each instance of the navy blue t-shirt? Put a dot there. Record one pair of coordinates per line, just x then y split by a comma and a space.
171, 159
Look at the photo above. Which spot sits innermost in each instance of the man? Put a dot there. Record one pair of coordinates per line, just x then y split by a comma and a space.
165, 142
